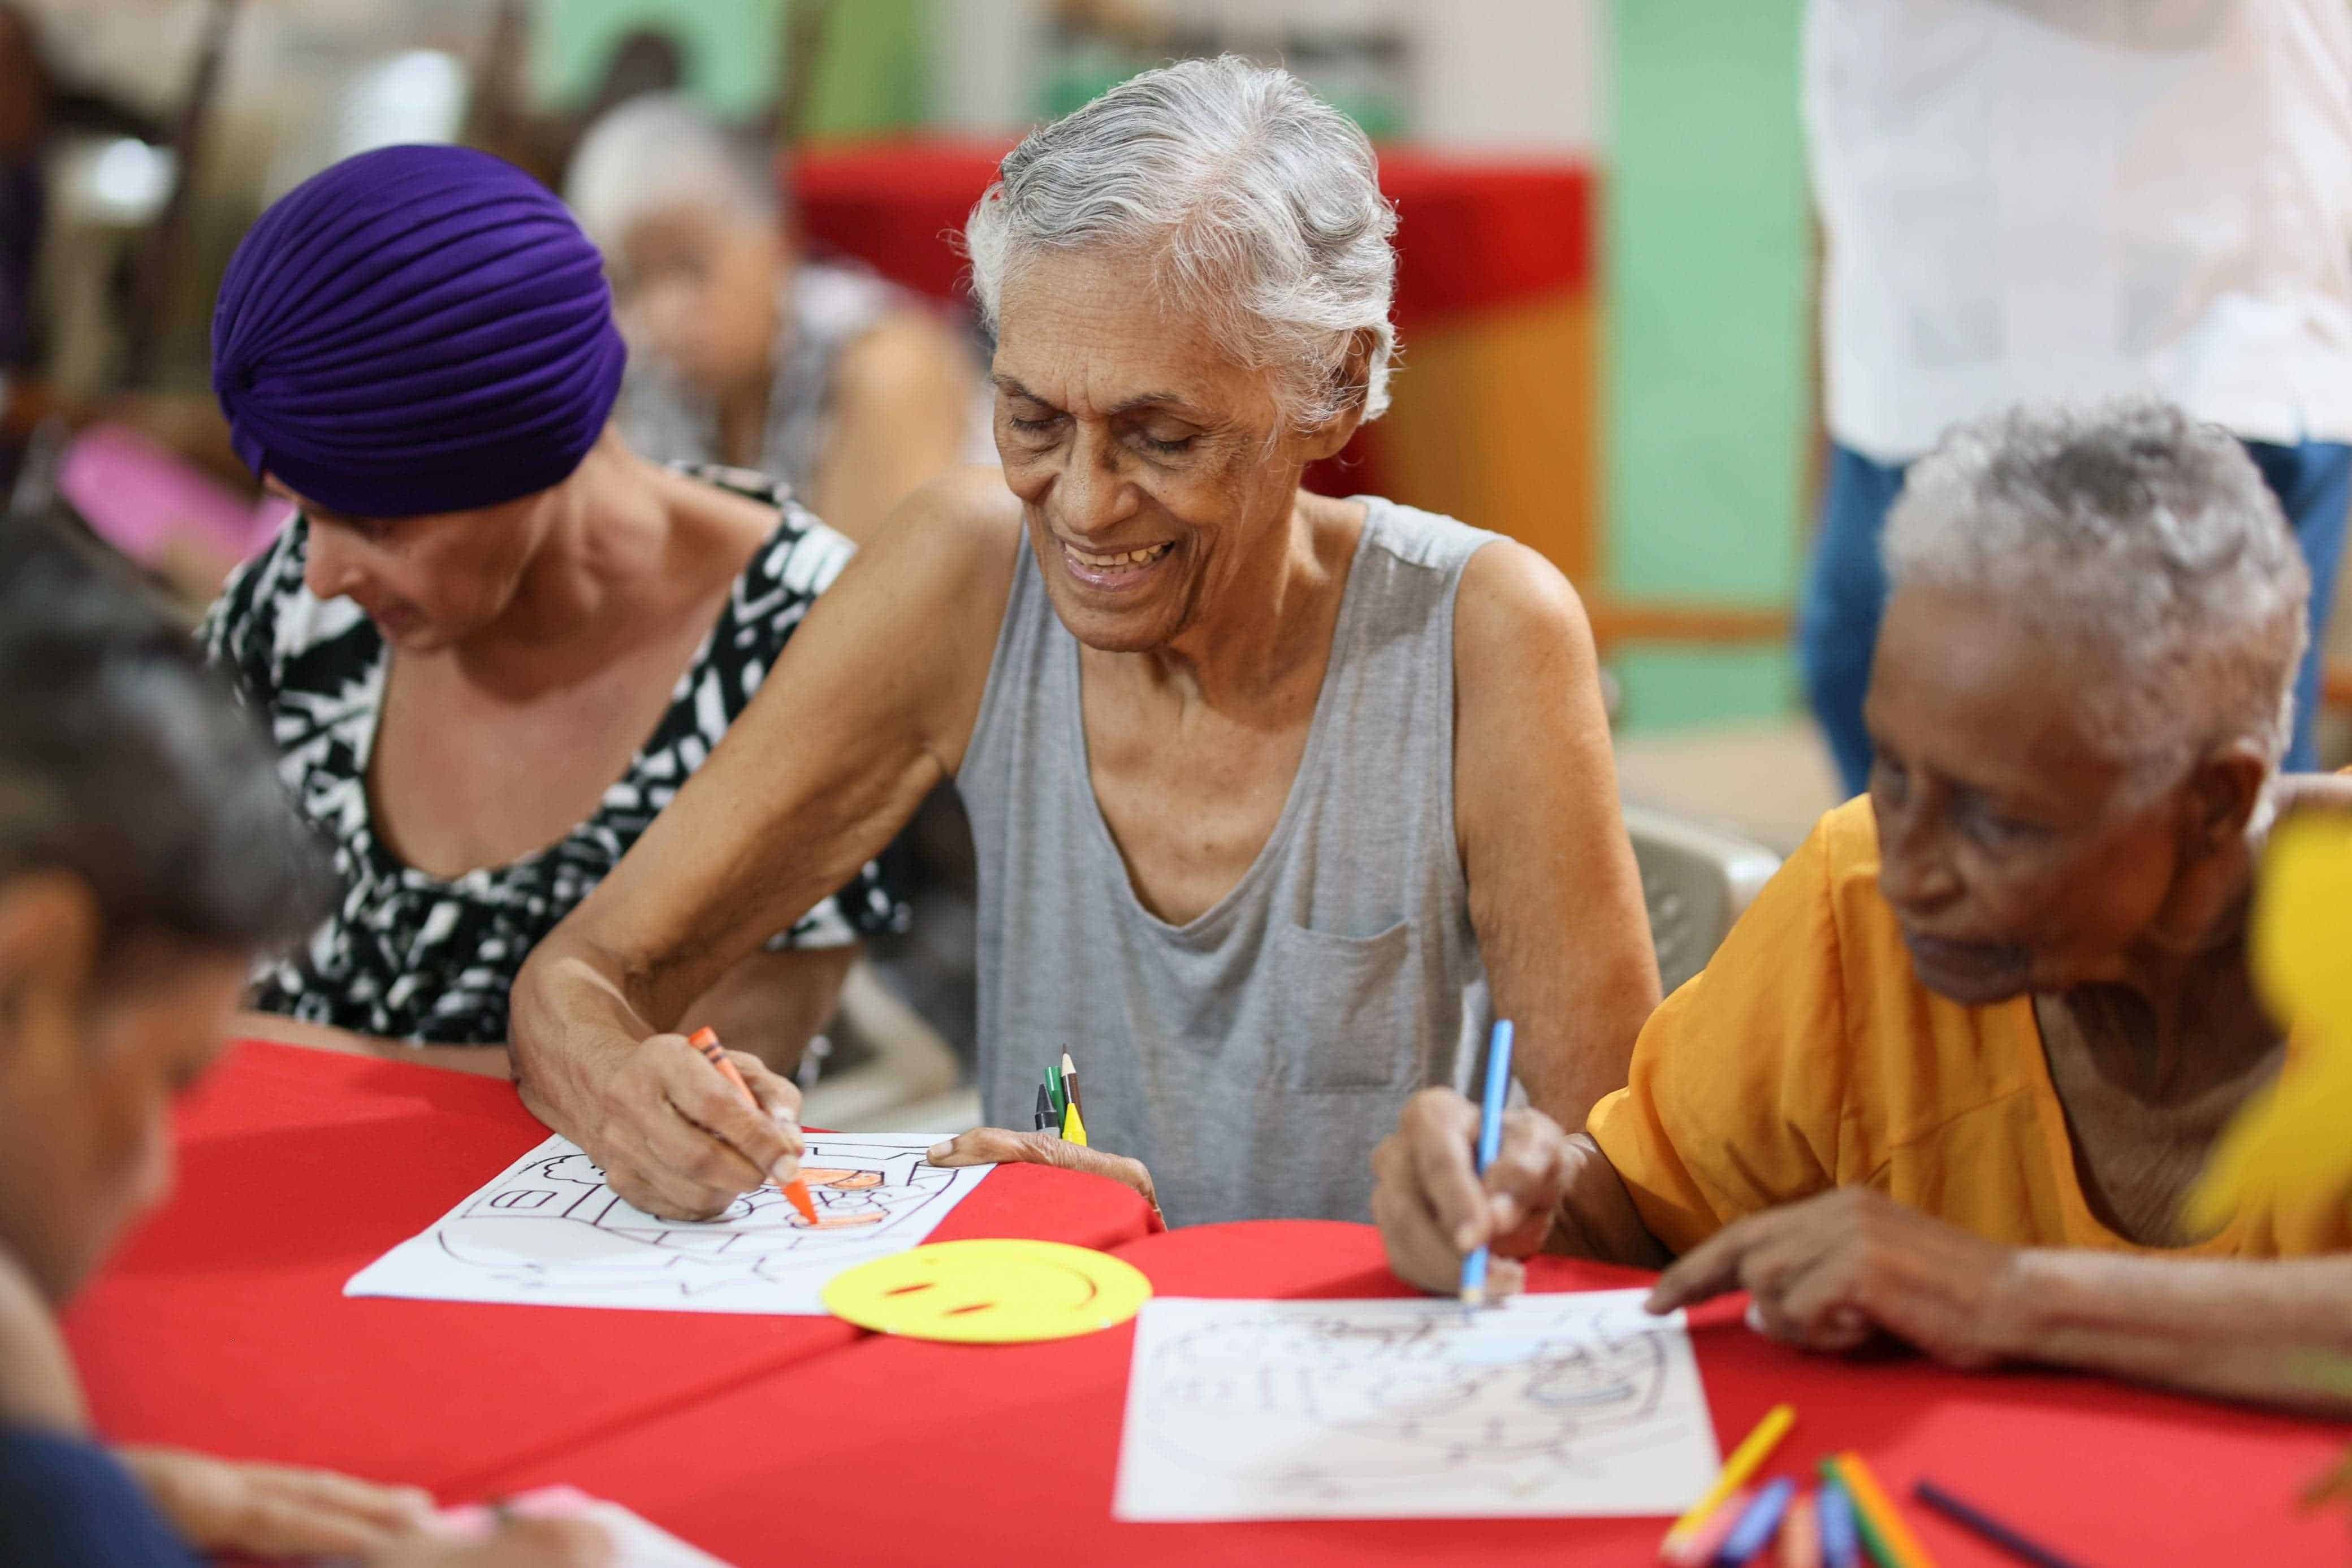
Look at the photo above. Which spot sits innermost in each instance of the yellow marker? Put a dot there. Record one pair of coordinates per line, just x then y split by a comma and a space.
1073, 1126
2288, 1144
1745, 1461
1879, 1518
990, 1293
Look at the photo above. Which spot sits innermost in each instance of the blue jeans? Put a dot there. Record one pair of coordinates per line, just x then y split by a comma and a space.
1846, 592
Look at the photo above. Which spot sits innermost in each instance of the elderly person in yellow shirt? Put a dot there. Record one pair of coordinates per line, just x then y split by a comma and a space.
1951, 1075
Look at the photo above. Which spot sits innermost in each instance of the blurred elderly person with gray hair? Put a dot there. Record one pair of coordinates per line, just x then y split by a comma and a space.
1280, 799
743, 352
1949, 1078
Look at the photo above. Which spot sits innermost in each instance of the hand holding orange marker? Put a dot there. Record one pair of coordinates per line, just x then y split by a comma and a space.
706, 1041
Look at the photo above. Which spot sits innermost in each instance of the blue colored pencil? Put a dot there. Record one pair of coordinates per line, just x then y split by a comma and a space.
1840, 1540
1490, 1144
1756, 1526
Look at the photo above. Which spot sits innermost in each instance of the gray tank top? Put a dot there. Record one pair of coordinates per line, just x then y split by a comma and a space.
1254, 1057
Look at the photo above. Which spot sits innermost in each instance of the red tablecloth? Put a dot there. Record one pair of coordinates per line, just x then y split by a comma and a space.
224, 1326
902, 1452
775, 1440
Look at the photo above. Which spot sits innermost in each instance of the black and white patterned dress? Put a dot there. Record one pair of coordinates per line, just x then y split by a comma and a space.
416, 958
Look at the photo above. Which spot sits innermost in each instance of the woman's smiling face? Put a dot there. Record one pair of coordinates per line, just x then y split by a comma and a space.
1151, 466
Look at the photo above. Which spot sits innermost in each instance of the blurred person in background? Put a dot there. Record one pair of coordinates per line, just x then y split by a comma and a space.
493, 641
745, 352
146, 855
2038, 199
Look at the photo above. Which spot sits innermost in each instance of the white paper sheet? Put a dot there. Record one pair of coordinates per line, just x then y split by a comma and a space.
549, 1232
1550, 1405
635, 1542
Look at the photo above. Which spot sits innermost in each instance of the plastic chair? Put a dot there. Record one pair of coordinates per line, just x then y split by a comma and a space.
1696, 881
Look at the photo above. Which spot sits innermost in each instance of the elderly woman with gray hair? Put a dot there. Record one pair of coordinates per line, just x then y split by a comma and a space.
1951, 1074
745, 352
1280, 799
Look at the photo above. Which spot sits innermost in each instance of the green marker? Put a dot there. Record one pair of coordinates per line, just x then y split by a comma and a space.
1053, 1087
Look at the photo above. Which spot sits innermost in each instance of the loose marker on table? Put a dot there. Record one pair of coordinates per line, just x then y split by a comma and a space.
706, 1041
1745, 1461
1972, 1518
1490, 1144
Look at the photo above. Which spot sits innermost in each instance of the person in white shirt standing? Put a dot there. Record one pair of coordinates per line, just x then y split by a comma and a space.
2074, 200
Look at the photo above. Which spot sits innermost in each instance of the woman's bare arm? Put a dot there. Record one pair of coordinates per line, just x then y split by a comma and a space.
1554, 894
1832, 1270
2269, 1331
869, 707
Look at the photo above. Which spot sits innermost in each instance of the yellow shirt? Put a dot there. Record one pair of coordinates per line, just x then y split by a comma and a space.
1807, 1055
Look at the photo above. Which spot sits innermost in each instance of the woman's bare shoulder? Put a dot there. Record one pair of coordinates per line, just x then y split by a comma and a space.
970, 496
965, 524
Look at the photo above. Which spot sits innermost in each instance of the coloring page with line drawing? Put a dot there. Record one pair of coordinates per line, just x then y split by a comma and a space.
1547, 1405
549, 1232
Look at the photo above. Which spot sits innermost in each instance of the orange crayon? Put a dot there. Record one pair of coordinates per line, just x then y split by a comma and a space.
706, 1041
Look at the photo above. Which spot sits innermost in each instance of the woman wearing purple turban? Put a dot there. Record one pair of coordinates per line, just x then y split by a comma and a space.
493, 643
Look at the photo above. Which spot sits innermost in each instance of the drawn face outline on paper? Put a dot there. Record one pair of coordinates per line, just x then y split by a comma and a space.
555, 1224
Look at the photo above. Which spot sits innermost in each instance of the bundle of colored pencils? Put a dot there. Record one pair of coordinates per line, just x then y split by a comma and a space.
1059, 1109
1850, 1516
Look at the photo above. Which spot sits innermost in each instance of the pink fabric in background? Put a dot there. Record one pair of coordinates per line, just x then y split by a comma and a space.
139, 497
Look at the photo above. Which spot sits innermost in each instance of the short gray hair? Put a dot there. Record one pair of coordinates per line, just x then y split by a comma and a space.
656, 153
2138, 529
1261, 205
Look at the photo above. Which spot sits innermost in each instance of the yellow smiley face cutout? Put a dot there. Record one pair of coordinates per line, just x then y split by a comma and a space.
990, 1293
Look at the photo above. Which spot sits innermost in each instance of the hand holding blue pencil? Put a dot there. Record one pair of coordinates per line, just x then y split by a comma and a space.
1490, 1144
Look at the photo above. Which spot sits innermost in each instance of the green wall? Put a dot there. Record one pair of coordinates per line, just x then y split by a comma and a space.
1708, 341
730, 48
875, 73
873, 76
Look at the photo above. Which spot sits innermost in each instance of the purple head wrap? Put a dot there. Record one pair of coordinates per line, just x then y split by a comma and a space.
416, 329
